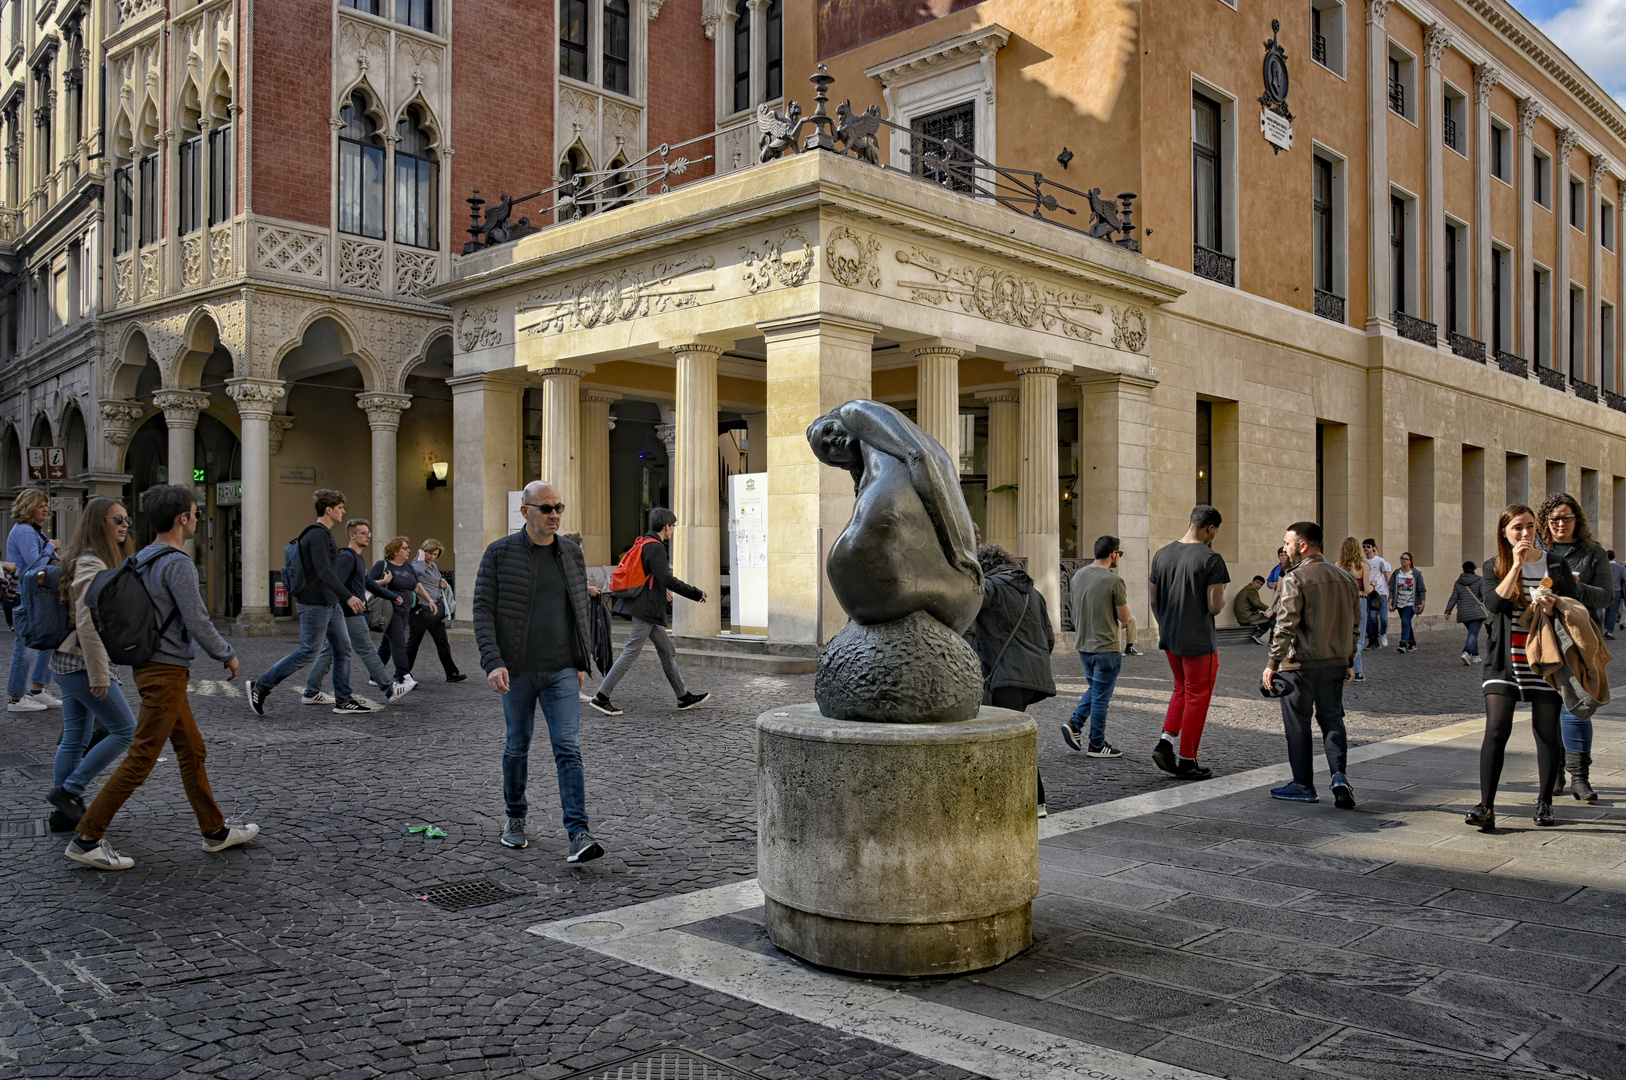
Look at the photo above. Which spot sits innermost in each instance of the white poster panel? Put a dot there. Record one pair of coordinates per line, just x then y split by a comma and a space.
748, 521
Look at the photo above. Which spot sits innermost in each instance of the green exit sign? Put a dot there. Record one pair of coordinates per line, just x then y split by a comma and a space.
198, 477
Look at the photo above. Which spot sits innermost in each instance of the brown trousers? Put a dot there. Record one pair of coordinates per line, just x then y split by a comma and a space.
165, 716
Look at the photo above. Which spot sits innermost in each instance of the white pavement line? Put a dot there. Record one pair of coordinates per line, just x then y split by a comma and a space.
939, 1032
596, 930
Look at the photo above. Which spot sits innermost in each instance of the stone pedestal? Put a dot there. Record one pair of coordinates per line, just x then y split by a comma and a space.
898, 849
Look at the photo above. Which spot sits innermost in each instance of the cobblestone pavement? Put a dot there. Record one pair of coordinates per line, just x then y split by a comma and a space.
308, 952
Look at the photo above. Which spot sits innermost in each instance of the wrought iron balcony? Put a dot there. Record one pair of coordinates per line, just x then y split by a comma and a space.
1412, 328
1329, 305
1551, 378
1397, 96
1584, 390
1513, 364
1451, 132
1614, 401
1318, 48
1468, 348
1213, 265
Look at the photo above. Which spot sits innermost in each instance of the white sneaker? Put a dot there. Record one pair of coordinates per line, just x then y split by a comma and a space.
235, 834
585, 697
1466, 659
1383, 641
318, 698
102, 856
409, 682
401, 690
46, 698
1479, 659
27, 704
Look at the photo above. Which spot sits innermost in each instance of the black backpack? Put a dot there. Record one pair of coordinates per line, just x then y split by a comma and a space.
123, 610
42, 618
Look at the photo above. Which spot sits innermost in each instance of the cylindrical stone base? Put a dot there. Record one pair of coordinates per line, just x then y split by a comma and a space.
898, 849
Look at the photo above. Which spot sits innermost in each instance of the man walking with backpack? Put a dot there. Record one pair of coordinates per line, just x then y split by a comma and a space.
352, 570
309, 568
641, 585
165, 597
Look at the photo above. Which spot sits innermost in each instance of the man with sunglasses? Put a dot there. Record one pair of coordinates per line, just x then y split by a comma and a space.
531, 623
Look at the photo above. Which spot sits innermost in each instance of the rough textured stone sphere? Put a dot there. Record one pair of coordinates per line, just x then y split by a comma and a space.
913, 670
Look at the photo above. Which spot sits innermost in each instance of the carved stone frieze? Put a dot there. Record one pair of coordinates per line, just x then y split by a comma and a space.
479, 328
629, 293
769, 263
273, 323
361, 265
118, 420
1129, 329
414, 272
1485, 79
395, 342
281, 424
1000, 295
852, 257
221, 264
151, 275
124, 279
191, 261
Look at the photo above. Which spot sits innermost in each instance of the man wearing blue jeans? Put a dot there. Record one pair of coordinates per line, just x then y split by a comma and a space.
351, 566
323, 600
531, 625
1100, 604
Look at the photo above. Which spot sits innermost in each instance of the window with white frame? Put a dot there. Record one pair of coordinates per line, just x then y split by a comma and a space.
1403, 252
1501, 151
1606, 345
1577, 342
1542, 315
1327, 34
944, 76
1329, 223
1454, 119
1402, 68
1578, 204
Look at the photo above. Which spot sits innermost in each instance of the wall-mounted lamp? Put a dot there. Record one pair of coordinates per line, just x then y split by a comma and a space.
437, 475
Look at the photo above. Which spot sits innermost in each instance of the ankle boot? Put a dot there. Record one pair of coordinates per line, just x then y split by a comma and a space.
1580, 766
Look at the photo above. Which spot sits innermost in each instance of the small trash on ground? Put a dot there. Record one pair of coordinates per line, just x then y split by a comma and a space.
430, 831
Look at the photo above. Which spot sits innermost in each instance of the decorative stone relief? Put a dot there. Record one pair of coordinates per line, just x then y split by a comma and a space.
124, 279
256, 398
164, 340
578, 116
1485, 79
479, 329
394, 342
1529, 113
383, 410
765, 266
229, 322
291, 251
281, 424
1129, 329
1001, 295
151, 279
191, 261
625, 294
118, 420
853, 258
361, 265
274, 320
132, 9
414, 272
221, 265
181, 407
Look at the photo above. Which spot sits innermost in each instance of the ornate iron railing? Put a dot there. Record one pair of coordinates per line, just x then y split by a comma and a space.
931, 160
1513, 364
1551, 378
1412, 328
1329, 305
1213, 265
1451, 131
1584, 390
1614, 401
1468, 348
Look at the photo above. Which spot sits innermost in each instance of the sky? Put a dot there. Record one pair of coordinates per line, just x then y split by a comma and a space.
1592, 32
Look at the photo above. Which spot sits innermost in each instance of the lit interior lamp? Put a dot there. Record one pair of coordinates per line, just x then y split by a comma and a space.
437, 475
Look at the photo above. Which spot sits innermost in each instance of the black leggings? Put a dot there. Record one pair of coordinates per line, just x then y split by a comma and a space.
1017, 699
1499, 725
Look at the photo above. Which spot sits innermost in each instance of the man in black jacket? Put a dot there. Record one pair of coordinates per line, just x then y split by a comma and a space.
647, 609
531, 624
323, 601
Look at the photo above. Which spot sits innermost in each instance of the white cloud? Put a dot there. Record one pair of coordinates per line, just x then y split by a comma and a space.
1593, 33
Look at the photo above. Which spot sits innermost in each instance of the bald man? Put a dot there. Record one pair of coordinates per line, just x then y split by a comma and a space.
531, 624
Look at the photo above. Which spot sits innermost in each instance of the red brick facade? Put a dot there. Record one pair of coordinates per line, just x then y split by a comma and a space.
681, 86
293, 50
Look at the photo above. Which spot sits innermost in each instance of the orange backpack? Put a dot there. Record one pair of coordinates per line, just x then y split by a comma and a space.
629, 577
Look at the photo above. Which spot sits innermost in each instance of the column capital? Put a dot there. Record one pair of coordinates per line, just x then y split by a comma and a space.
508, 380
383, 409
181, 407
699, 343
1600, 166
1376, 11
1037, 367
1567, 140
1529, 113
940, 347
1000, 393
594, 393
255, 398
822, 324
1435, 42
561, 370
281, 424
1485, 79
118, 419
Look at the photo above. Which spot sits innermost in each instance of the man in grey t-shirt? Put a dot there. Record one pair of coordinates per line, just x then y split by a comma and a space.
1186, 588
1100, 605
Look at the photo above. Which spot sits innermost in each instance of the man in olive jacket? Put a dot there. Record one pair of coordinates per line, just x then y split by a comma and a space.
1312, 650
531, 624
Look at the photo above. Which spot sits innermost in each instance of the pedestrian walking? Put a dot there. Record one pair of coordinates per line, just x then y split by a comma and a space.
1186, 588
1567, 537
28, 548
431, 618
351, 566
1353, 563
396, 574
1013, 638
1407, 595
1100, 600
1465, 601
1312, 655
1611, 617
166, 716
1519, 576
1377, 607
89, 691
530, 623
646, 606
323, 600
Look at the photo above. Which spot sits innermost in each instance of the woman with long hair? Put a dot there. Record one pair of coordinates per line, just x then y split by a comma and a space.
89, 692
1567, 537
27, 548
1521, 575
1351, 560
1013, 637
1407, 594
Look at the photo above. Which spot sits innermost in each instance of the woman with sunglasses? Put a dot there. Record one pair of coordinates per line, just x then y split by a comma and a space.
89, 692
1565, 535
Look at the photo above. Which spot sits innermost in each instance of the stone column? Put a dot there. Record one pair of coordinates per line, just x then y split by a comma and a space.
937, 395
256, 398
118, 420
1529, 112
1594, 291
1378, 305
814, 364
594, 519
384, 418
1561, 260
181, 409
487, 453
1485, 79
1038, 494
756, 442
696, 551
1115, 424
561, 437
1004, 462
1436, 42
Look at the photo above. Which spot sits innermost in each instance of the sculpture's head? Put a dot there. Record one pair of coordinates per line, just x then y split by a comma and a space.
832, 443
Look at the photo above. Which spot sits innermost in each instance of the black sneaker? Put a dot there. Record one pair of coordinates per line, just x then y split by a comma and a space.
68, 804
256, 697
60, 822
1188, 769
583, 848
689, 701
456, 676
603, 705
351, 706
1482, 817
1070, 734
1130, 650
1163, 755
1343, 796
1106, 750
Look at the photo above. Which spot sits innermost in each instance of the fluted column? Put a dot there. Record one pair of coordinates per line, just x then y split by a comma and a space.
1038, 496
937, 394
1594, 290
561, 436
1561, 269
384, 418
1378, 300
1529, 113
1485, 79
696, 554
256, 398
1004, 462
1435, 44
594, 519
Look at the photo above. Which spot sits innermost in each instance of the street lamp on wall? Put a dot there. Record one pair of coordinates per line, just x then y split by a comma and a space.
437, 475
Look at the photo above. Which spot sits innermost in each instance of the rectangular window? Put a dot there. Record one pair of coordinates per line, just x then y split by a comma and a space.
1454, 115
617, 47
1452, 234
369, 6
573, 39
742, 59
416, 13
1327, 34
1402, 69
1541, 188
150, 201
1518, 478
1606, 347
123, 207
957, 125
361, 189
59, 299
1500, 138
1589, 494
191, 185
1578, 204
220, 175
416, 198
1606, 227
775, 53
1398, 278
1323, 221
1577, 342
1208, 222
1541, 317
1501, 301
1473, 503
1205, 453
1555, 477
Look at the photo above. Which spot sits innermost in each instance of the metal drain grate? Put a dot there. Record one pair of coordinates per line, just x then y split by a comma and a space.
473, 893
662, 1065
17, 829
16, 759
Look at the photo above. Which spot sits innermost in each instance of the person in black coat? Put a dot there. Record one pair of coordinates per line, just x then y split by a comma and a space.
1566, 535
646, 607
1013, 637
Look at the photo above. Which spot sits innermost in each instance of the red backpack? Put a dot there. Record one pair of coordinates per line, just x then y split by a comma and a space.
629, 577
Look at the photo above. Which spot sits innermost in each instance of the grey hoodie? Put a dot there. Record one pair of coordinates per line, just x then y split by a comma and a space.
171, 583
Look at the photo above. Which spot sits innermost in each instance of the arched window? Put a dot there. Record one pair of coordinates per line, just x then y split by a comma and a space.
190, 168
417, 183
572, 167
361, 171
616, 192
220, 174
775, 82
742, 56
617, 46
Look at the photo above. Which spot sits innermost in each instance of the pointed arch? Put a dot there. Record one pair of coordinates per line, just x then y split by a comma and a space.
148, 127
361, 179
188, 105
427, 121
217, 97
575, 167
374, 107
349, 344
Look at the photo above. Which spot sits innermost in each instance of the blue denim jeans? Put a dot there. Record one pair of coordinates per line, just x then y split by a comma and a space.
361, 640
1406, 635
21, 679
74, 767
1611, 616
1360, 647
1471, 646
556, 692
1577, 732
1101, 670
316, 622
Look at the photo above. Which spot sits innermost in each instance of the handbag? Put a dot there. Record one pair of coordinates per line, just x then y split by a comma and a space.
379, 613
988, 679
1374, 601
